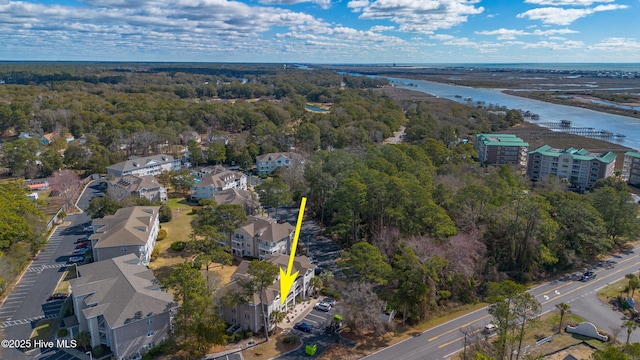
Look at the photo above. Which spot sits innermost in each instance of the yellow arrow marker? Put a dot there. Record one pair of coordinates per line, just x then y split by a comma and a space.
286, 279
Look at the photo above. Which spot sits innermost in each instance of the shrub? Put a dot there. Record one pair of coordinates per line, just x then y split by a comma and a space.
178, 245
98, 351
63, 332
330, 293
154, 254
238, 336
164, 214
162, 234
291, 339
249, 333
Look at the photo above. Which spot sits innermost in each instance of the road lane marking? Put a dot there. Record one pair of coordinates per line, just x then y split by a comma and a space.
452, 330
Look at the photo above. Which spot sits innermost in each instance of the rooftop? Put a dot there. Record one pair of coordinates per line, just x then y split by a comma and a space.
141, 162
501, 140
128, 226
576, 154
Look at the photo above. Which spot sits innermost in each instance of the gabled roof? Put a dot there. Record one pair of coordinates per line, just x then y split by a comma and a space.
136, 183
121, 289
235, 197
220, 179
276, 156
141, 162
576, 154
128, 226
266, 228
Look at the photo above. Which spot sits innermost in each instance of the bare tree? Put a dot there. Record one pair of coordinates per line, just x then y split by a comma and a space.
362, 308
66, 183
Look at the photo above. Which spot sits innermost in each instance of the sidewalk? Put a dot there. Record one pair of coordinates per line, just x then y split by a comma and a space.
298, 313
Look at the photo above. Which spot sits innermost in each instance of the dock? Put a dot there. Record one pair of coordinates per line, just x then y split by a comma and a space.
565, 127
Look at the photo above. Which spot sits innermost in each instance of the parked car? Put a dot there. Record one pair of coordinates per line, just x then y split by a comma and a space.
88, 229
322, 307
75, 259
303, 326
80, 251
312, 260
83, 245
57, 296
329, 301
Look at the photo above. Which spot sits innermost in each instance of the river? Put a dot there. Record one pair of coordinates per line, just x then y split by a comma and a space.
548, 112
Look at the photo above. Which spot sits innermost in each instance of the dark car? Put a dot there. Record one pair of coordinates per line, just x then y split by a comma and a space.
57, 296
588, 276
303, 326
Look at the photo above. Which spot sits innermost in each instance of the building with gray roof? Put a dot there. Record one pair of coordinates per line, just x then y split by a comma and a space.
130, 230
139, 186
140, 166
120, 303
261, 236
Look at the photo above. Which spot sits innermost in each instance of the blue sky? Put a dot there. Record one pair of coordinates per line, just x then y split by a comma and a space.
322, 31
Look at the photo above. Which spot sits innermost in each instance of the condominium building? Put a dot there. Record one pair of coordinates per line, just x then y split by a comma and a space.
631, 168
139, 166
502, 149
579, 166
260, 237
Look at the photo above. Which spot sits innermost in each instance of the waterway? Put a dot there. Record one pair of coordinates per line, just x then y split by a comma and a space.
548, 112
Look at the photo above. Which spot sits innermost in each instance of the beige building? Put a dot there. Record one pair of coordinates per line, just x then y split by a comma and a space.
631, 167
131, 230
261, 236
120, 303
249, 315
580, 167
245, 198
139, 186
502, 149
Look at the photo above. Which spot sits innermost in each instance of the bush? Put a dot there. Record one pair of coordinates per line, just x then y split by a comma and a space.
291, 339
238, 336
178, 245
164, 214
98, 351
162, 234
63, 332
330, 293
249, 333
154, 254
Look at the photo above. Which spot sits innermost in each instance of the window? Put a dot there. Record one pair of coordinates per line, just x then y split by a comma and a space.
150, 333
150, 321
123, 249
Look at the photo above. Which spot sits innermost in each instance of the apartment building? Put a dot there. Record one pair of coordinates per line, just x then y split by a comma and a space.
261, 236
580, 167
631, 167
140, 166
502, 149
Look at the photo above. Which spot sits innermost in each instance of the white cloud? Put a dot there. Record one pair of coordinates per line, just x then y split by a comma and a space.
325, 4
511, 34
616, 44
561, 16
566, 45
442, 37
419, 16
567, 2
382, 28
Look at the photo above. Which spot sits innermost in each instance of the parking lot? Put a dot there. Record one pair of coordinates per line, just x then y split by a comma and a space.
319, 319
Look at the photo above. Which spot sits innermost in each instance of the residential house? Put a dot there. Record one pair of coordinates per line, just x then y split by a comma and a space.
46, 139
502, 149
38, 184
267, 163
122, 306
245, 198
249, 315
131, 230
26, 135
579, 166
261, 236
631, 167
149, 165
139, 186
211, 180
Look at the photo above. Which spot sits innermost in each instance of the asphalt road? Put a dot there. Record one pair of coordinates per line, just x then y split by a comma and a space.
26, 305
447, 339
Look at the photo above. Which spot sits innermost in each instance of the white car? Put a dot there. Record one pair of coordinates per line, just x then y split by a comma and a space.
322, 307
490, 329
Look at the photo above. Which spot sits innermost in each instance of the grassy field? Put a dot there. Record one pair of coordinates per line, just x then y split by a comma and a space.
63, 284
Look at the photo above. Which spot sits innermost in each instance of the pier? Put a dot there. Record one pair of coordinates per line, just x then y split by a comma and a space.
565, 127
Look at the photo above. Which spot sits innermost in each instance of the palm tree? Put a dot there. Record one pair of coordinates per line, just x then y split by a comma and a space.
631, 326
564, 308
277, 316
634, 283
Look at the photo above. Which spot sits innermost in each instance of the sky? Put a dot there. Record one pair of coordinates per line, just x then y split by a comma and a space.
322, 31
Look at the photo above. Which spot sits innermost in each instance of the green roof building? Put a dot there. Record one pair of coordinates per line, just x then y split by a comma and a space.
579, 166
631, 168
502, 149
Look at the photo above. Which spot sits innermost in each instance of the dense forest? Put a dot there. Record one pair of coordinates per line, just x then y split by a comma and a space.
428, 226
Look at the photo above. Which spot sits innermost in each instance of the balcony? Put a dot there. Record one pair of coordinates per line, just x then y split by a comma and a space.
237, 245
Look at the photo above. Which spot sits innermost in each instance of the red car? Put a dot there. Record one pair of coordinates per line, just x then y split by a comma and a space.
83, 245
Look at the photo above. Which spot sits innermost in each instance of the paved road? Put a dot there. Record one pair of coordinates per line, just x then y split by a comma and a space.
444, 340
397, 137
26, 305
